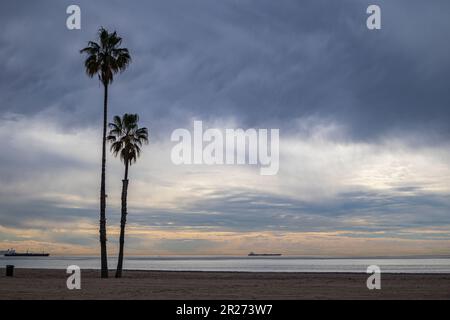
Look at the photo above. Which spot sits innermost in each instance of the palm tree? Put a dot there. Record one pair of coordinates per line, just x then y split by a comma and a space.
126, 140
105, 59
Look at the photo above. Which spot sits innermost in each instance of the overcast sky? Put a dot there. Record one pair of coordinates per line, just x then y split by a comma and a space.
364, 119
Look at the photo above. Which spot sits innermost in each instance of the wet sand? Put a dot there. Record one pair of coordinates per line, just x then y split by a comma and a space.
51, 284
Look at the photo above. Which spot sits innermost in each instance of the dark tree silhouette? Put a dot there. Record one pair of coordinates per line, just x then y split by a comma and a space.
126, 141
105, 58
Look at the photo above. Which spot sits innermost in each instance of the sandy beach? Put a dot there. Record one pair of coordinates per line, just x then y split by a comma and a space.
51, 284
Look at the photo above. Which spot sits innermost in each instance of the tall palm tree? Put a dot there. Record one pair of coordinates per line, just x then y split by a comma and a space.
105, 59
126, 140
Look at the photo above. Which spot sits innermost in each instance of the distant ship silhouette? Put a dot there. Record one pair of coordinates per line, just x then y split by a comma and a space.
252, 254
13, 253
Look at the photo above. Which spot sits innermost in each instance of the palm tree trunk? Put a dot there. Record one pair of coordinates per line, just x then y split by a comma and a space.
104, 256
123, 221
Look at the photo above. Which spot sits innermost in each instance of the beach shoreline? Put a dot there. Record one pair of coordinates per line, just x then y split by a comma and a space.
44, 284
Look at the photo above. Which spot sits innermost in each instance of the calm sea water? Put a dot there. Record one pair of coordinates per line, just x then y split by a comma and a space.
247, 264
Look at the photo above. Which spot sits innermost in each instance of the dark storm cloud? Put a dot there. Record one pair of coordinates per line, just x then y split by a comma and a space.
260, 62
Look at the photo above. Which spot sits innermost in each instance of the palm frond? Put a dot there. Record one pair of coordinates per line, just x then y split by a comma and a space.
126, 137
106, 57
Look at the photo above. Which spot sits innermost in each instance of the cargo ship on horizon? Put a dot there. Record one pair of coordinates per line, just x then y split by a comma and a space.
252, 254
13, 253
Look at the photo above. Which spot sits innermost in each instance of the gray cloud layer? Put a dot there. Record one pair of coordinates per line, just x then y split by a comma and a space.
262, 62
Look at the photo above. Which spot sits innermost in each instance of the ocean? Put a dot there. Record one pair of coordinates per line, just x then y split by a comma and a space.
243, 264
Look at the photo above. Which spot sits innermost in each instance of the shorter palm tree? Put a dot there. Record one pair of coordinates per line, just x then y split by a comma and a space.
126, 140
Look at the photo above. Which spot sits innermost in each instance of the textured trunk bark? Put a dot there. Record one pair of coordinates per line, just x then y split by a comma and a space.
123, 221
103, 252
